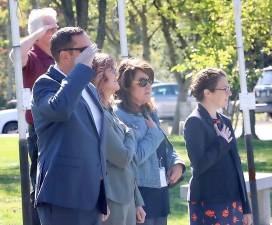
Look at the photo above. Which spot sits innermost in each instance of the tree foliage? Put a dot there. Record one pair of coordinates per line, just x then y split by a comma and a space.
178, 37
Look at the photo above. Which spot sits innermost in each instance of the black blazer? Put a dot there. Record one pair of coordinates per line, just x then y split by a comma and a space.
217, 174
71, 160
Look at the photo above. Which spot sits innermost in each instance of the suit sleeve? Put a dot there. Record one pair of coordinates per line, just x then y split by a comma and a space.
245, 202
55, 101
202, 157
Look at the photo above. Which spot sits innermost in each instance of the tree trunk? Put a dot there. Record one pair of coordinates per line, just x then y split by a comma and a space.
145, 38
173, 62
101, 30
35, 4
144, 29
113, 41
171, 51
82, 13
67, 7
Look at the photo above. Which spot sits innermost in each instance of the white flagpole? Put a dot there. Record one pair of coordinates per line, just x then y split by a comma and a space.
122, 28
247, 102
23, 153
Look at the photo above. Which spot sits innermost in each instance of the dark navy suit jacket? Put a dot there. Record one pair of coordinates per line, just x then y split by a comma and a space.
71, 162
217, 174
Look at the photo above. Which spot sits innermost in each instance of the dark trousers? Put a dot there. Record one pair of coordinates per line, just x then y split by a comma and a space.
55, 215
33, 154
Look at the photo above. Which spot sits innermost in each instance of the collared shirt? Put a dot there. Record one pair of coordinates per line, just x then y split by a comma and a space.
37, 64
58, 69
94, 109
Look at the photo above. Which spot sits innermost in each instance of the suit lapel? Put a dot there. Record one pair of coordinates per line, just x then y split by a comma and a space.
205, 116
91, 90
89, 113
233, 150
94, 95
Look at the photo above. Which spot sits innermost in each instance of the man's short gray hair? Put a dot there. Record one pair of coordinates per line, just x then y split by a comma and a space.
36, 16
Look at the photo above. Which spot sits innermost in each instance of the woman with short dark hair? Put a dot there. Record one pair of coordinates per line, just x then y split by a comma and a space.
217, 192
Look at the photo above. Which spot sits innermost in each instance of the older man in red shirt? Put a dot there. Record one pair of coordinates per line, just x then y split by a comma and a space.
36, 59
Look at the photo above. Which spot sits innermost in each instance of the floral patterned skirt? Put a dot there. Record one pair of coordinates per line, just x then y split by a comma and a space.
216, 213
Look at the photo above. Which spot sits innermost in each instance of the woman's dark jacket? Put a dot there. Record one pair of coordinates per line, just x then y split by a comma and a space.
217, 174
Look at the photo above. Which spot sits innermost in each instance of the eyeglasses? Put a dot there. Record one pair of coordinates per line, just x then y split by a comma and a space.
74, 49
226, 89
142, 82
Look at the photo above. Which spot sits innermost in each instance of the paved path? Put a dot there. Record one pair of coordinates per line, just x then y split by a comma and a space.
263, 130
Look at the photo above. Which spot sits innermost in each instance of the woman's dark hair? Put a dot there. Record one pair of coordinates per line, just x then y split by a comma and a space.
205, 79
127, 70
63, 39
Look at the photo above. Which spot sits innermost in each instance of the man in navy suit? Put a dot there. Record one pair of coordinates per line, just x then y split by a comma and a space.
69, 122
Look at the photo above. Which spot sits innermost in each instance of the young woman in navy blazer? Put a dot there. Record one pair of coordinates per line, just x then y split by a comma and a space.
217, 192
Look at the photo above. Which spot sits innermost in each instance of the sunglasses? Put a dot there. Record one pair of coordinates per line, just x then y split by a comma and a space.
74, 49
142, 82
226, 89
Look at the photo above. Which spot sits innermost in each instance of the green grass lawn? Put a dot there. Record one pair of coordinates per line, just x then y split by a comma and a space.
10, 201
10, 195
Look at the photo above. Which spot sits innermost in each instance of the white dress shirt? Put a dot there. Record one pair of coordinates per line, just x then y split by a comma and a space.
93, 107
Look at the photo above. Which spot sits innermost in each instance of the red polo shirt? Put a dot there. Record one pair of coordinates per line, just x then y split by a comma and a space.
37, 64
